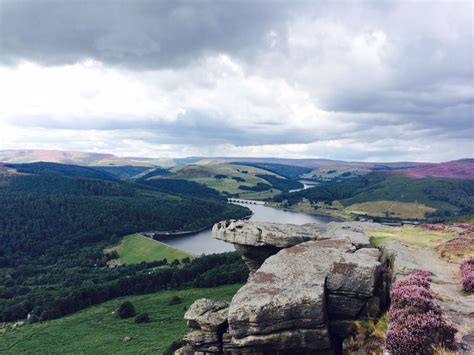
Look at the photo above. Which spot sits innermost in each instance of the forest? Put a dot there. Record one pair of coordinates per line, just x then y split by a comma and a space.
54, 226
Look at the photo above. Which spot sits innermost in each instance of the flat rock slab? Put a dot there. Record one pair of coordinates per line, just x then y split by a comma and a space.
261, 234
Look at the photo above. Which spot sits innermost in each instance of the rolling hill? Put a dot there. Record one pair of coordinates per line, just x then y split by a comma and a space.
229, 179
77, 158
458, 169
390, 195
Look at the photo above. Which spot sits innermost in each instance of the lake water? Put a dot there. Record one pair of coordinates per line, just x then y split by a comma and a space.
306, 185
203, 243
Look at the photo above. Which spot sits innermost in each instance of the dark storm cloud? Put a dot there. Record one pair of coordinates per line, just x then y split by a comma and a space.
137, 34
194, 128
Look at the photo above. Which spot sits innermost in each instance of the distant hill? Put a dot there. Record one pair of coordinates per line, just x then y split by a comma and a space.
318, 169
458, 169
101, 159
61, 169
307, 163
77, 158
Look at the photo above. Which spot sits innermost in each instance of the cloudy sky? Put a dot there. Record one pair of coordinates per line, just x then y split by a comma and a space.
380, 81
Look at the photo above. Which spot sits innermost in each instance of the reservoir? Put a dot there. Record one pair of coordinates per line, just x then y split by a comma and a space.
203, 243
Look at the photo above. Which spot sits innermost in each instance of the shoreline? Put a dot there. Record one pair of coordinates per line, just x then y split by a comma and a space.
158, 235
337, 218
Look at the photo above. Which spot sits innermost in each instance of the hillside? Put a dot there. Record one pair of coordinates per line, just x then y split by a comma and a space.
228, 179
76, 158
389, 195
61, 169
98, 330
101, 159
53, 229
458, 169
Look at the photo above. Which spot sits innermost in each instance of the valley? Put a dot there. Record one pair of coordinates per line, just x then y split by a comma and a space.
201, 177
76, 238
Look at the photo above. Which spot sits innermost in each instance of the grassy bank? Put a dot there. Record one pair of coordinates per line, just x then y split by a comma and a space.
415, 237
135, 248
98, 330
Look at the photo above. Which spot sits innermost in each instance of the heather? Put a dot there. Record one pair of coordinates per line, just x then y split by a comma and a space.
416, 322
467, 275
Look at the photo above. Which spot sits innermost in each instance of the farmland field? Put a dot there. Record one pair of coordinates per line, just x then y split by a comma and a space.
415, 237
97, 330
135, 248
390, 209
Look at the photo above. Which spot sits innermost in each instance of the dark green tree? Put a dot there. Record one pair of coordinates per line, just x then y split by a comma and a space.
126, 310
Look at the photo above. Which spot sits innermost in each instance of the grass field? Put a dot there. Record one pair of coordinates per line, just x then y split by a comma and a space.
331, 173
429, 192
415, 237
391, 209
135, 248
97, 330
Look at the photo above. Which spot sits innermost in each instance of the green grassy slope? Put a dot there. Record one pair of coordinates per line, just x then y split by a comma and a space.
447, 196
441, 194
135, 248
97, 330
226, 178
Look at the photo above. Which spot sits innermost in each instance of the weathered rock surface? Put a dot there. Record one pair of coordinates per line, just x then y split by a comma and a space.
293, 339
260, 234
287, 291
257, 241
209, 320
302, 277
355, 274
205, 341
400, 259
207, 315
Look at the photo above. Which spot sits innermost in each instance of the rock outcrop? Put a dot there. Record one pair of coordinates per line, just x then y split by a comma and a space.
308, 284
209, 321
400, 259
257, 241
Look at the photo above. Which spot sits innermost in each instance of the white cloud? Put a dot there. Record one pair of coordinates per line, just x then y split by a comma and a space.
355, 81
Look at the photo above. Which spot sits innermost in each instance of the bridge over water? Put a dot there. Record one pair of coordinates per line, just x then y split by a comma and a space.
249, 202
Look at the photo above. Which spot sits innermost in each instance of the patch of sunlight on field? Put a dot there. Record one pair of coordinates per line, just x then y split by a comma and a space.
135, 248
413, 236
391, 209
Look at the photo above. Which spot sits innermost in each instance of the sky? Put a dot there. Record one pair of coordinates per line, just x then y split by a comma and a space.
366, 81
